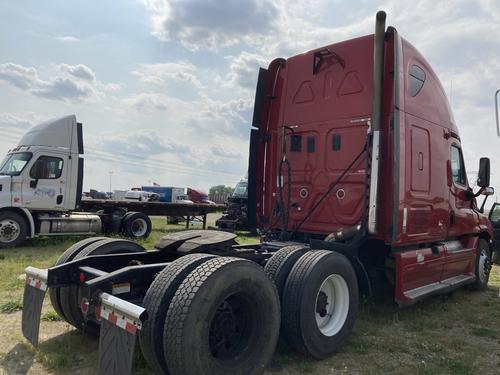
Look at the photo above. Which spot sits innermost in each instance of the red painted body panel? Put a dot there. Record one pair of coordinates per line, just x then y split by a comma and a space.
421, 211
333, 103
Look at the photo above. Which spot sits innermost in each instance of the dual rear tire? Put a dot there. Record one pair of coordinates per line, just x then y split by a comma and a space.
211, 315
65, 299
319, 299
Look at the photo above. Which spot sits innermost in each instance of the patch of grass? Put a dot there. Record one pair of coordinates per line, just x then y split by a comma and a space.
54, 360
442, 335
68, 351
304, 366
484, 332
11, 306
50, 316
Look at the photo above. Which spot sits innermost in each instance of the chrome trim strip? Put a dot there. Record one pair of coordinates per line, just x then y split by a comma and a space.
372, 205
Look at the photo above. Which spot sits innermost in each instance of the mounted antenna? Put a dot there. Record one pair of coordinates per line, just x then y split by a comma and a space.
496, 111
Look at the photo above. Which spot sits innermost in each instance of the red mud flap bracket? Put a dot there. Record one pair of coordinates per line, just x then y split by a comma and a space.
34, 293
120, 321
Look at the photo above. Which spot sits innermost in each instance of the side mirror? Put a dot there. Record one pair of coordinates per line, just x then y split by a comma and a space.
488, 191
483, 176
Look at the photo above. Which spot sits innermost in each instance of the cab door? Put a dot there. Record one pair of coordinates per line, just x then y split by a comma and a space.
45, 184
459, 258
494, 217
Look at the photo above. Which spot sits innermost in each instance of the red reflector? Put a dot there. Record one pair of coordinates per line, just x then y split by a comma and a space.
82, 277
84, 305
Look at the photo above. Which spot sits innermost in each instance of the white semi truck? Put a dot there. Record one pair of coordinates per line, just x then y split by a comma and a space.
41, 187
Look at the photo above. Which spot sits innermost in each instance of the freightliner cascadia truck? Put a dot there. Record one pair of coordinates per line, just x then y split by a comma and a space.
41, 187
41, 183
356, 178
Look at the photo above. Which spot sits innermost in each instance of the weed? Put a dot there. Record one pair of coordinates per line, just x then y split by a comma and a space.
50, 316
11, 306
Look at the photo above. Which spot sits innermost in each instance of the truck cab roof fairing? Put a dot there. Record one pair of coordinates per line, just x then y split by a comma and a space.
59, 132
430, 101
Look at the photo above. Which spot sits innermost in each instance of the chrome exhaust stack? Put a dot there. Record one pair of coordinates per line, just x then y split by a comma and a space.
378, 77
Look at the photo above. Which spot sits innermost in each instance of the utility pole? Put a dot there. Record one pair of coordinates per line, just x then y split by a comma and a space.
110, 174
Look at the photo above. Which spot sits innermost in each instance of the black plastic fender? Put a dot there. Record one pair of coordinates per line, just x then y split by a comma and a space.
351, 253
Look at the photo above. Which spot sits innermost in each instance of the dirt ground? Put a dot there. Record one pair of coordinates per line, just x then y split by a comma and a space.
458, 333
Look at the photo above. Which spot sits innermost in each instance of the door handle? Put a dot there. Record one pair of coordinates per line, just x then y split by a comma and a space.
59, 199
452, 217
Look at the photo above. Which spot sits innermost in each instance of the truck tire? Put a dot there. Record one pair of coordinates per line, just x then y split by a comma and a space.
69, 296
320, 302
137, 225
157, 301
67, 256
13, 229
224, 319
483, 265
280, 264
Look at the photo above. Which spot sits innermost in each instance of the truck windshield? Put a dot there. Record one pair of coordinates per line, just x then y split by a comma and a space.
14, 164
240, 191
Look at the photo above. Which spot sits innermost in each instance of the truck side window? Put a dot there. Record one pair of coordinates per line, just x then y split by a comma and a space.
296, 145
311, 144
47, 167
416, 80
457, 166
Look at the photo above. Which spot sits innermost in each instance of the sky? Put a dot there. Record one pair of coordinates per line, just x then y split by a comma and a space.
165, 88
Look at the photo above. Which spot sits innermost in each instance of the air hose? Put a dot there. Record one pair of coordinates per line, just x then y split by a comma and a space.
330, 188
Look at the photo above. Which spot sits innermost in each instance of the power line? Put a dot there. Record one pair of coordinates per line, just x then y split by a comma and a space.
122, 158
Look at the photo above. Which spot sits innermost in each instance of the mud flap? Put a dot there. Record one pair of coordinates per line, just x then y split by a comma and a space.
34, 293
120, 321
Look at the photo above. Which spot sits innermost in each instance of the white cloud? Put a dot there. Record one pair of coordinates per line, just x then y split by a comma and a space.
162, 74
142, 144
19, 76
210, 24
79, 71
69, 82
244, 67
67, 38
148, 101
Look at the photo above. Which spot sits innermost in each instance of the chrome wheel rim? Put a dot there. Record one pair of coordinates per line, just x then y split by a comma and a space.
139, 227
332, 305
9, 230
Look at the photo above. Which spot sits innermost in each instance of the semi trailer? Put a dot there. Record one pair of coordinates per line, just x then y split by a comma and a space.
41, 183
356, 178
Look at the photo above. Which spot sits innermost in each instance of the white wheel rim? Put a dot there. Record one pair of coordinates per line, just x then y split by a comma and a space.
139, 227
9, 230
483, 268
332, 305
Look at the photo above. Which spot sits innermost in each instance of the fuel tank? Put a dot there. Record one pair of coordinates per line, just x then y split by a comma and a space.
70, 223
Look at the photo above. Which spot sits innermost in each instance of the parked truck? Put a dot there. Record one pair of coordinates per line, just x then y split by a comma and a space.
166, 194
235, 214
41, 187
356, 177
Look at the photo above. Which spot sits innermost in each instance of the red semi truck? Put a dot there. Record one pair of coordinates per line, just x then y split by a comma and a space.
356, 177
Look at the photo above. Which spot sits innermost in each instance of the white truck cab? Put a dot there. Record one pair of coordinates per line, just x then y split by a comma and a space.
41, 183
45, 172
